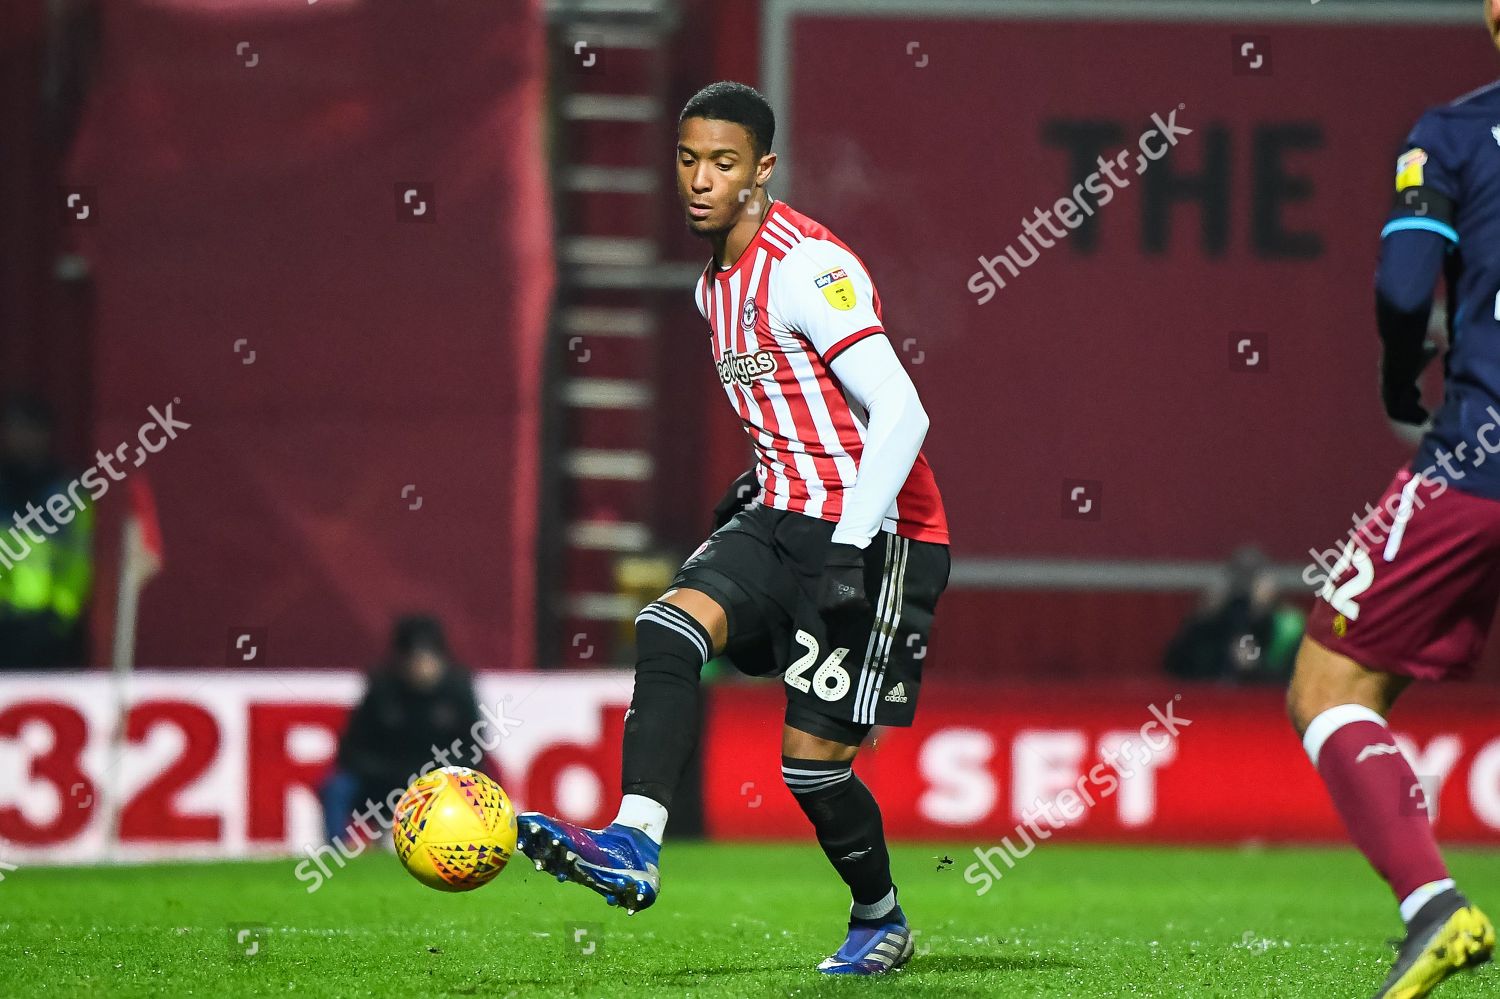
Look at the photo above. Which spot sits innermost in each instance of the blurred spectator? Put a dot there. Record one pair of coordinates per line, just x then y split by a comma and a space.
46, 549
418, 702
1242, 632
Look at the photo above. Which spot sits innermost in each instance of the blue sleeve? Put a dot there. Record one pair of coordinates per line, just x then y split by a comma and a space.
1427, 180
1421, 230
1409, 265
1411, 260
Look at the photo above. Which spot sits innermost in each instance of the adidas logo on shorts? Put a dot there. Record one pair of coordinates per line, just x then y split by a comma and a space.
897, 694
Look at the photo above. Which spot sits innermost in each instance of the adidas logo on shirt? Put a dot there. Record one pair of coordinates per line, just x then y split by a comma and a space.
897, 694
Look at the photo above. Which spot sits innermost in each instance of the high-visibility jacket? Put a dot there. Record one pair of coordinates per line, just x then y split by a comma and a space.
55, 575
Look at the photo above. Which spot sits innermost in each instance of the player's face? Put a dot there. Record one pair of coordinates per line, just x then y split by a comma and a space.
717, 171
1492, 19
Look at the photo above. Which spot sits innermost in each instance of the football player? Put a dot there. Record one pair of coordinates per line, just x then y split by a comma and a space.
828, 579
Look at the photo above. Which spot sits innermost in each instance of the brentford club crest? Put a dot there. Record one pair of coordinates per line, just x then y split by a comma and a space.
747, 315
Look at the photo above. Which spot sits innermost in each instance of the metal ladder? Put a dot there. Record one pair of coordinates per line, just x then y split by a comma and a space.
611, 129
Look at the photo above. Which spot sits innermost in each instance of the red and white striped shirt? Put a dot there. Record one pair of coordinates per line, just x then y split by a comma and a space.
795, 299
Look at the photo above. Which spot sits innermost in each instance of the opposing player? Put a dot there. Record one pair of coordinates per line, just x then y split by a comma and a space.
829, 578
1413, 594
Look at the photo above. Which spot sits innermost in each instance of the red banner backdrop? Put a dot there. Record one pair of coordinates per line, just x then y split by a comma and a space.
322, 233
981, 761
227, 764
223, 764
1110, 361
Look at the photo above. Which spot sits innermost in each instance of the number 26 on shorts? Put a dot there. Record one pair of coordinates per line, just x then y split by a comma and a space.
830, 681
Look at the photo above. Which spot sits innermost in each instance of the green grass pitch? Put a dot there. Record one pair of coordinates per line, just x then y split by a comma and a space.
732, 920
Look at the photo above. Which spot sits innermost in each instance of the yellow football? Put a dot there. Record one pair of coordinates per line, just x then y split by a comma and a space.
455, 829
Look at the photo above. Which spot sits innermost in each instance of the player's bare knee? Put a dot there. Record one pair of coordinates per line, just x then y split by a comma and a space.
1317, 684
806, 746
1298, 699
704, 609
1298, 708
1323, 679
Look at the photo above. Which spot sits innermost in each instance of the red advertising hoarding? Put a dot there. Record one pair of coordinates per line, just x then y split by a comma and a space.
226, 764
1146, 763
222, 764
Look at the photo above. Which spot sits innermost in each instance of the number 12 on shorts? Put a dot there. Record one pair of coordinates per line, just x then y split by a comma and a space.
1341, 595
830, 681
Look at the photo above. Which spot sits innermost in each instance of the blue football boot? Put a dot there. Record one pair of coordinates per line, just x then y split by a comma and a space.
872, 950
617, 861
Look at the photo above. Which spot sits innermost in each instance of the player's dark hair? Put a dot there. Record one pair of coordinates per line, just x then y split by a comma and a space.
738, 103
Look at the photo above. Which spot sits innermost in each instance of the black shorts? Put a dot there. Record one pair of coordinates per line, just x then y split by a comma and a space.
763, 568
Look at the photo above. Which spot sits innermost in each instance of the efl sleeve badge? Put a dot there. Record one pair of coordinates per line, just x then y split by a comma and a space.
1409, 169
837, 288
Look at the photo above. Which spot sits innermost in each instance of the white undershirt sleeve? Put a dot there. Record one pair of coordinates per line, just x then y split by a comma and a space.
896, 426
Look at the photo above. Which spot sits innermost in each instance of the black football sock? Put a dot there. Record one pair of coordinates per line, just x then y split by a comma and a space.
847, 820
661, 727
